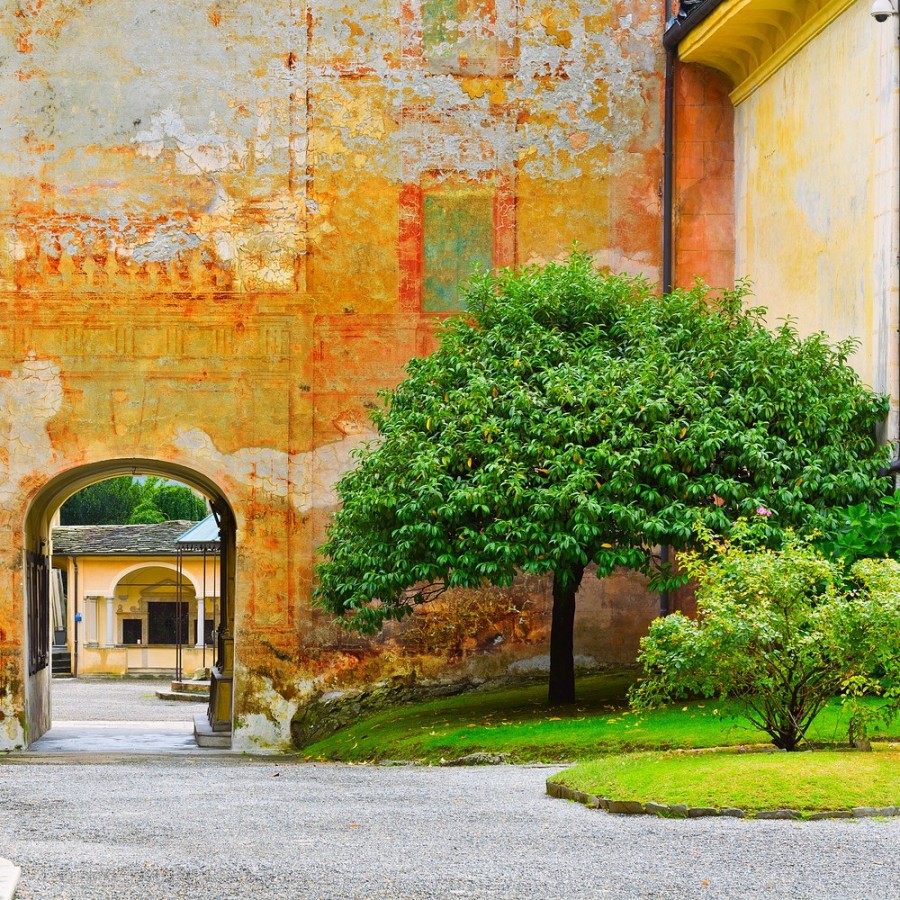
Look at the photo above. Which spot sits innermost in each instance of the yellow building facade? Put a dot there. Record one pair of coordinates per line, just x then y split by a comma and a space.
814, 87
134, 602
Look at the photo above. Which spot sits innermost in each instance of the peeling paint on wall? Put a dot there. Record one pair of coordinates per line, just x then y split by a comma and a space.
128, 172
30, 396
269, 731
12, 731
217, 225
307, 478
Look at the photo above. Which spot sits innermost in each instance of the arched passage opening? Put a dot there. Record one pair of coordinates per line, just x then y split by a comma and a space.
38, 551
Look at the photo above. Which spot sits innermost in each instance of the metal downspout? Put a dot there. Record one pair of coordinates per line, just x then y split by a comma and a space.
893, 468
75, 606
667, 267
897, 55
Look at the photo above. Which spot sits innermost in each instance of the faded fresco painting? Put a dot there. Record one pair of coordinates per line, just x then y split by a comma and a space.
459, 231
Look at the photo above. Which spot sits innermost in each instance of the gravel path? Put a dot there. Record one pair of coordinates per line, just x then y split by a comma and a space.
161, 828
116, 700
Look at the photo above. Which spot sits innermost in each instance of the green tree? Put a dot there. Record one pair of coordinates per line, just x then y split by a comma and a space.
109, 502
173, 501
571, 418
131, 501
781, 632
146, 513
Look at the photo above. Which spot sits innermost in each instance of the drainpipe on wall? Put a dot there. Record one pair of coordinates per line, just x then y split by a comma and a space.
75, 607
897, 55
893, 470
690, 14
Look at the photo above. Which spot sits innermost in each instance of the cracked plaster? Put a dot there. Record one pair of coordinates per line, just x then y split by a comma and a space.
30, 396
219, 150
12, 734
307, 479
268, 732
103, 119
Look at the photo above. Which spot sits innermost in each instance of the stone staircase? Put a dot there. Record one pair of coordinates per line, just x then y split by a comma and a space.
61, 666
206, 737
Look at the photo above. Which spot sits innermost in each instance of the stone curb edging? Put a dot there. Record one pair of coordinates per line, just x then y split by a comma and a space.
9, 879
682, 811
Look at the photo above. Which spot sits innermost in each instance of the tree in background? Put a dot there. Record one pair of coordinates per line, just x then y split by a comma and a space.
130, 501
109, 502
572, 418
146, 513
174, 501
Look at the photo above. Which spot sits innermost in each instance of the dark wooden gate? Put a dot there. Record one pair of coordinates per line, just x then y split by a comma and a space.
37, 592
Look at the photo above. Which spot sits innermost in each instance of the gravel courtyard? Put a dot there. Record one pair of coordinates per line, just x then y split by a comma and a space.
116, 700
161, 827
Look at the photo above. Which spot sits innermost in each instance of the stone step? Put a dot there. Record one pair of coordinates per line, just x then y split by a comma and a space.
200, 687
189, 696
61, 661
9, 879
206, 737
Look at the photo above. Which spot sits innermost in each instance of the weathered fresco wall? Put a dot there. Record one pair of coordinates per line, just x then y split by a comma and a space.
817, 189
224, 226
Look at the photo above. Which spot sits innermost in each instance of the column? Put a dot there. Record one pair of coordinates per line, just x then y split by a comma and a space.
90, 625
110, 622
201, 618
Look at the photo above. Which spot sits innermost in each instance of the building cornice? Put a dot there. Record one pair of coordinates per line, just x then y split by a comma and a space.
750, 40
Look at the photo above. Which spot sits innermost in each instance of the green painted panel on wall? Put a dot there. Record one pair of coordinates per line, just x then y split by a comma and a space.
439, 26
458, 236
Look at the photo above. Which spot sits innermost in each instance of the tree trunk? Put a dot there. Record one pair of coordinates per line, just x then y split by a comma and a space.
562, 660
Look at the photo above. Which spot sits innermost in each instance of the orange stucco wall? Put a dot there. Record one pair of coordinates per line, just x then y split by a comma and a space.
211, 254
704, 177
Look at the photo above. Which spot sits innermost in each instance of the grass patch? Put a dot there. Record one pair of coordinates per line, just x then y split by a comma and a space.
805, 781
516, 721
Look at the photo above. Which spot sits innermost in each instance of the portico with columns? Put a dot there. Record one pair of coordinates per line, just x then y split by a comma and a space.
142, 598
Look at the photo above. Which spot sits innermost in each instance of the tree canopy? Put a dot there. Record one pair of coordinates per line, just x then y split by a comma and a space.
132, 501
572, 417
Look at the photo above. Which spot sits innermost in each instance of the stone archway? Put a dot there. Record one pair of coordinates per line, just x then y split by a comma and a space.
30, 699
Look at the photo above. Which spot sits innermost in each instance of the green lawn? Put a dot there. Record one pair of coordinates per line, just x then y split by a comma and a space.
817, 780
517, 722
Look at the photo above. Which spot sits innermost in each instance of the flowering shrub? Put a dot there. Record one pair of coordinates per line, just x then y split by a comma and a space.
782, 631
